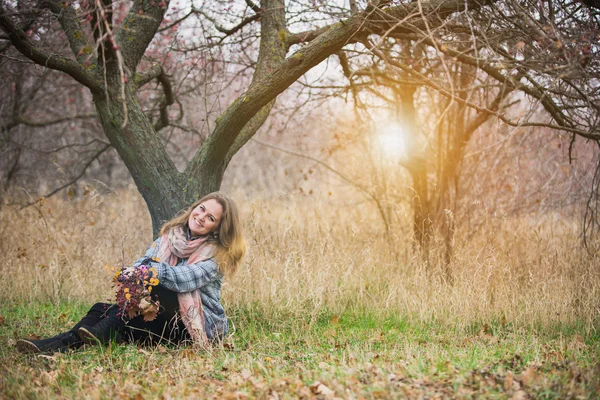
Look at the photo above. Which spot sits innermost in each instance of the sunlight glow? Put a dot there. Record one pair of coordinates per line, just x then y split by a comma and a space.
394, 141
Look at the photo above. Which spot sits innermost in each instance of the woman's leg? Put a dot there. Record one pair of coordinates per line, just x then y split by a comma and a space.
167, 327
67, 340
96, 314
103, 330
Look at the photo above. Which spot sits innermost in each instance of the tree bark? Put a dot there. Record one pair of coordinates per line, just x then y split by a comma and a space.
142, 151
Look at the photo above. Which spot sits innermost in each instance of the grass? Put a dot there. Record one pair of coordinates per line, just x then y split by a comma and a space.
356, 355
324, 296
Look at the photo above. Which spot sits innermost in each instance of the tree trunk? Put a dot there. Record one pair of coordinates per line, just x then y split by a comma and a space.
422, 219
422, 223
139, 146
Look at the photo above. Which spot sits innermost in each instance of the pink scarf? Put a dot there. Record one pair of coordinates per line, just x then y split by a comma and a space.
173, 246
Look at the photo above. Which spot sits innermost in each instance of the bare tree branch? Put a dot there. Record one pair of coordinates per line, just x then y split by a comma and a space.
53, 61
72, 181
138, 29
80, 46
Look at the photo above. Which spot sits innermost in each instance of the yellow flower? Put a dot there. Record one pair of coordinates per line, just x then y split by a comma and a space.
153, 281
157, 259
127, 296
126, 290
149, 288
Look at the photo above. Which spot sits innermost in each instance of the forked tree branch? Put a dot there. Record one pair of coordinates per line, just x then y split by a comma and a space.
80, 46
215, 149
138, 29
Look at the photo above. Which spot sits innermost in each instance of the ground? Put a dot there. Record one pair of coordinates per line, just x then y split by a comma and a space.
353, 355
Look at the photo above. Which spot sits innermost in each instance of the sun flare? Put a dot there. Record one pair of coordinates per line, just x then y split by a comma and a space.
393, 140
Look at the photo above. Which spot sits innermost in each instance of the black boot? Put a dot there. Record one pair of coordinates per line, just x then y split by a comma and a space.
59, 343
103, 331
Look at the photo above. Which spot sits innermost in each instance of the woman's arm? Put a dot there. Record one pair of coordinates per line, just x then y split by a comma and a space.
185, 278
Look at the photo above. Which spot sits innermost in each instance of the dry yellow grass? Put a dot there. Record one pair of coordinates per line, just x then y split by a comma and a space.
306, 256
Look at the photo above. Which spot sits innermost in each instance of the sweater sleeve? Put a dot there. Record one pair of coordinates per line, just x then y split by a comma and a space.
186, 278
151, 253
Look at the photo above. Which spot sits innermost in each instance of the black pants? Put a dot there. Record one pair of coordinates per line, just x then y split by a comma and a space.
166, 328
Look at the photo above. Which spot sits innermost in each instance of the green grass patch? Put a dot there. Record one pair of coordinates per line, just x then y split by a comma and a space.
276, 351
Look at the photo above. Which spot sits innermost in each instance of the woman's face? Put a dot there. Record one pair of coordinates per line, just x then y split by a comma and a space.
205, 218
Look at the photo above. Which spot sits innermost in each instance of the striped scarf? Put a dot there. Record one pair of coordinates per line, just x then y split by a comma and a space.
173, 246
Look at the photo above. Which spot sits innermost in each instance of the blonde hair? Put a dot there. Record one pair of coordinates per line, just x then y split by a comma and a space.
231, 244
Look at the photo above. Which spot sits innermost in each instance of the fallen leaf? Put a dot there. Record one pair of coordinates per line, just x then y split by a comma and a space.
2, 319
237, 395
47, 357
320, 389
48, 377
161, 349
577, 343
228, 344
529, 376
519, 395
508, 381
246, 374
144, 352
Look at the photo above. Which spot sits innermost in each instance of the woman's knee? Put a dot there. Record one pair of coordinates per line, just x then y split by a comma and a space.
100, 308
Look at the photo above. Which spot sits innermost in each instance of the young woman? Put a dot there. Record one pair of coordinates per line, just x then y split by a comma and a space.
195, 250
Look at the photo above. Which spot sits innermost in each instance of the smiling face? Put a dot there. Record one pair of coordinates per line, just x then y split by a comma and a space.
205, 218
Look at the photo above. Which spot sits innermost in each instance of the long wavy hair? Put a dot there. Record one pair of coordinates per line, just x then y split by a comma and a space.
231, 245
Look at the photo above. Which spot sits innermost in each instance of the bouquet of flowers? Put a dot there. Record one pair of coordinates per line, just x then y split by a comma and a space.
134, 286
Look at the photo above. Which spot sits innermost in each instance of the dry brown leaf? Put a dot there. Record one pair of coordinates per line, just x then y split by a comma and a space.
320, 389
508, 381
519, 395
48, 377
167, 396
144, 352
237, 395
228, 344
150, 314
529, 376
148, 309
246, 374
161, 349
272, 395
577, 343
2, 319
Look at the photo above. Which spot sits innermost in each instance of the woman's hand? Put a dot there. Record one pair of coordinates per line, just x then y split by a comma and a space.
126, 272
